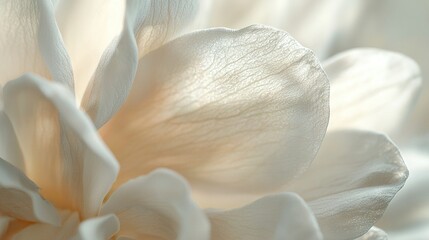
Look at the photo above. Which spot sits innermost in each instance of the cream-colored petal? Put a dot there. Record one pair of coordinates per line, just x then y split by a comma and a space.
350, 183
4, 224
20, 198
30, 42
371, 89
158, 205
412, 202
9, 147
147, 25
88, 28
374, 234
43, 231
281, 216
243, 109
63, 153
100, 228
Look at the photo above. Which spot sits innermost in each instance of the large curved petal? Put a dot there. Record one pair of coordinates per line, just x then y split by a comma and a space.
20, 198
283, 216
371, 89
63, 153
242, 109
350, 183
30, 42
158, 205
43, 231
412, 202
100, 228
147, 25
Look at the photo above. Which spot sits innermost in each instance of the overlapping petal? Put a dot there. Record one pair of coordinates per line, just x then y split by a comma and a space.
348, 186
157, 205
147, 25
371, 89
9, 147
412, 202
276, 217
43, 231
20, 198
242, 109
88, 28
31, 42
62, 151
99, 228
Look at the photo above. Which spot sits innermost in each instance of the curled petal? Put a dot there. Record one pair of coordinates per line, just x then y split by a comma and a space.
4, 224
147, 25
371, 89
243, 109
63, 153
350, 183
159, 205
19, 197
283, 216
99, 228
31, 42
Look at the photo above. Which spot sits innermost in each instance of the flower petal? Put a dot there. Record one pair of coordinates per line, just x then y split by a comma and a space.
413, 211
371, 89
88, 27
242, 109
277, 217
99, 228
348, 186
147, 25
157, 205
374, 234
62, 151
43, 231
4, 224
19, 197
30, 42
9, 147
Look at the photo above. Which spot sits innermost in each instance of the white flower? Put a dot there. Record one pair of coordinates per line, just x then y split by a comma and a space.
240, 114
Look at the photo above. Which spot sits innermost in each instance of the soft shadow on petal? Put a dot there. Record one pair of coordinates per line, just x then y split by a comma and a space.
374, 234
350, 183
31, 42
371, 89
4, 224
158, 205
412, 202
62, 151
9, 147
147, 25
283, 216
99, 228
43, 231
243, 109
88, 27
20, 198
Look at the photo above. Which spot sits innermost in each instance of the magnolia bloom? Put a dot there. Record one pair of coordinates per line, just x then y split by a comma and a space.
237, 116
